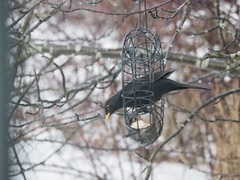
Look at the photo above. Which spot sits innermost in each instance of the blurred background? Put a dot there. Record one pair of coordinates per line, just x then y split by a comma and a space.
64, 63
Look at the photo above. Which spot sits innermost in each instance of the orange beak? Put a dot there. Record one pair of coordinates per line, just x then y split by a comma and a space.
107, 117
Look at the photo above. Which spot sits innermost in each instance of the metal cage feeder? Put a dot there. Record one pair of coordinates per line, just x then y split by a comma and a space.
141, 58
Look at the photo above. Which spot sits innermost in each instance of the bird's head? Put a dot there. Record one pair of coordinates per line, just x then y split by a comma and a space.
108, 111
113, 104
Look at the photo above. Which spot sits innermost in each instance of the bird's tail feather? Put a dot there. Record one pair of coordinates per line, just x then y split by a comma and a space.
179, 86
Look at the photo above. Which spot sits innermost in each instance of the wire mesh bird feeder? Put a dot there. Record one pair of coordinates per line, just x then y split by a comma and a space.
141, 58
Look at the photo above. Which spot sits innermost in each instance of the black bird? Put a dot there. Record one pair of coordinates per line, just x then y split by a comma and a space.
162, 85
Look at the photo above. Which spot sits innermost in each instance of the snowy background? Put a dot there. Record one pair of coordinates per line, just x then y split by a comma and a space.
63, 78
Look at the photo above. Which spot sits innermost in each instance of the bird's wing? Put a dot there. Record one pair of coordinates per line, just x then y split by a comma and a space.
142, 83
157, 76
163, 74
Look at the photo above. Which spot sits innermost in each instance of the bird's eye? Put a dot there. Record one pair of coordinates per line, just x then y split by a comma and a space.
108, 107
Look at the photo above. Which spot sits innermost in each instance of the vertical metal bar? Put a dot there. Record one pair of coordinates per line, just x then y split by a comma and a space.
4, 93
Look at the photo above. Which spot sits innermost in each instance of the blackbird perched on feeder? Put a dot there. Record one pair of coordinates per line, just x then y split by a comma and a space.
162, 85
